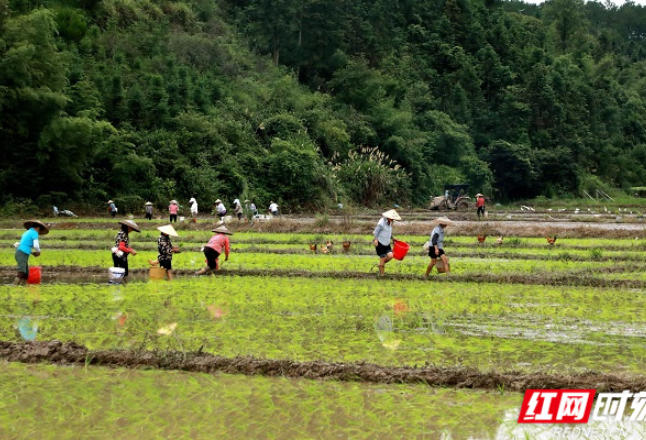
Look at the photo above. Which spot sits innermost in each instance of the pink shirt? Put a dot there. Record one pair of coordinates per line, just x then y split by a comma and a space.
173, 209
219, 241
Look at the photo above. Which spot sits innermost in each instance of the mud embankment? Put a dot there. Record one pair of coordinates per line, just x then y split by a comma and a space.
56, 352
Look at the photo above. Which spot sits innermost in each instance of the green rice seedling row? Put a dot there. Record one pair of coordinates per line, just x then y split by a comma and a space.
486, 326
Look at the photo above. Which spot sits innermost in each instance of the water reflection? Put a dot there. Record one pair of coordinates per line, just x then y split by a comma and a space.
385, 331
511, 429
28, 328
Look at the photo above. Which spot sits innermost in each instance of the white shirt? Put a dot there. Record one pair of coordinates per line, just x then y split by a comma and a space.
273, 207
220, 207
193, 206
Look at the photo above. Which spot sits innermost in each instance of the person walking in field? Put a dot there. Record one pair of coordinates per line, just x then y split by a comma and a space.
480, 204
122, 248
436, 245
173, 208
166, 250
220, 210
273, 208
29, 245
382, 236
213, 249
253, 208
112, 208
238, 208
193, 204
149, 210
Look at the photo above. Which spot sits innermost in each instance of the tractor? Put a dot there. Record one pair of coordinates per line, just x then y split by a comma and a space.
455, 197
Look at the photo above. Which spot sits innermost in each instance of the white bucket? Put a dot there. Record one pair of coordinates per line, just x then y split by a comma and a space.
181, 219
115, 275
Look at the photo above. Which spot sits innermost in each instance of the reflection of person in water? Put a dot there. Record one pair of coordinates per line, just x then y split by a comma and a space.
28, 329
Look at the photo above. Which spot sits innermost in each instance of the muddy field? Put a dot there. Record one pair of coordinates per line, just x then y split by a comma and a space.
515, 313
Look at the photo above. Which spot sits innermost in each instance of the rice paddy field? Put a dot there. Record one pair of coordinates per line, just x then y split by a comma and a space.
289, 343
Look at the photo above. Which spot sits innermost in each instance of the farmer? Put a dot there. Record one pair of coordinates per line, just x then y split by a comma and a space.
121, 247
238, 208
213, 249
149, 210
252, 207
112, 208
383, 234
220, 210
193, 204
480, 204
273, 208
28, 241
436, 245
166, 249
172, 209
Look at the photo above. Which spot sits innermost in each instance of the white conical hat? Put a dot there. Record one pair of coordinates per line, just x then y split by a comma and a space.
392, 214
222, 230
168, 230
443, 221
131, 224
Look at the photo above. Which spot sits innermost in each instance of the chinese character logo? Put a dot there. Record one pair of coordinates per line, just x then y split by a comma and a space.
556, 406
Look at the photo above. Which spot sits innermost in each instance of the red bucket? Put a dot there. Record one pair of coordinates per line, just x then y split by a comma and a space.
34, 275
400, 250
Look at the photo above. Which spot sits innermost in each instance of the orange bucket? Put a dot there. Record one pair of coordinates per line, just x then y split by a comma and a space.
400, 250
34, 275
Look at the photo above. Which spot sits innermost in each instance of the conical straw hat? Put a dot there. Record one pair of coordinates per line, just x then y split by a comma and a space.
131, 224
392, 214
173, 202
149, 203
222, 230
168, 230
443, 221
33, 223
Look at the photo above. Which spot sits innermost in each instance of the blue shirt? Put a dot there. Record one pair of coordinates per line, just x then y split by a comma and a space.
27, 241
383, 231
439, 238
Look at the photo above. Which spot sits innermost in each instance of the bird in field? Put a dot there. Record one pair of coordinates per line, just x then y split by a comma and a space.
329, 245
551, 241
313, 247
499, 240
324, 250
482, 238
346, 246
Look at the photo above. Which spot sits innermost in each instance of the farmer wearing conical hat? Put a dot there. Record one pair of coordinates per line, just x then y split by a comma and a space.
149, 210
214, 248
28, 241
166, 250
436, 244
112, 208
173, 207
122, 248
383, 234
220, 210
480, 204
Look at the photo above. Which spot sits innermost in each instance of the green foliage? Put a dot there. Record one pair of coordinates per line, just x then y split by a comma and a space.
515, 103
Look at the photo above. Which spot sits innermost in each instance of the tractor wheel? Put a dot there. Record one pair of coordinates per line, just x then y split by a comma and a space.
463, 206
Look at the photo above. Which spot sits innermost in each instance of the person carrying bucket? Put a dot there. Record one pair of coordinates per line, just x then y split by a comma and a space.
383, 234
121, 248
166, 250
214, 248
436, 245
220, 210
28, 241
193, 204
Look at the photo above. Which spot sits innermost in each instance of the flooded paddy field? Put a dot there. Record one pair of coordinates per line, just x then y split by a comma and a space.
568, 314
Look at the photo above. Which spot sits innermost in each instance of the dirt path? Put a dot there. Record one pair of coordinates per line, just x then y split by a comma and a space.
56, 352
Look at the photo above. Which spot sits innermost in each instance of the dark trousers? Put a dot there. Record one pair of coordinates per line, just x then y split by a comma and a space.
173, 218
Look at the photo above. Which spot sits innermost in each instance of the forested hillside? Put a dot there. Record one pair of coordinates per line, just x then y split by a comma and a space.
308, 102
